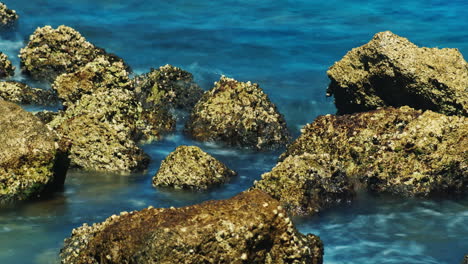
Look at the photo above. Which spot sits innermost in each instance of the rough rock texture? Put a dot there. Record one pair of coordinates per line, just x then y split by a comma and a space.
32, 160
392, 71
46, 116
7, 16
169, 86
192, 168
402, 151
6, 67
307, 183
21, 93
51, 52
99, 74
465, 260
248, 228
239, 114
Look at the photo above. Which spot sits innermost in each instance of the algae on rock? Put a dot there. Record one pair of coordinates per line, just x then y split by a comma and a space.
33, 160
7, 16
238, 114
248, 228
392, 71
21, 93
192, 168
6, 67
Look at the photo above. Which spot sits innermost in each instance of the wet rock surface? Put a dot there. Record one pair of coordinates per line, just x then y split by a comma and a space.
32, 159
397, 150
392, 71
238, 114
168, 86
6, 67
248, 228
189, 167
21, 93
7, 16
51, 52
305, 184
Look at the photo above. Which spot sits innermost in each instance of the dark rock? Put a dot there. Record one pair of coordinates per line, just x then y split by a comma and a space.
6, 67
21, 93
7, 16
248, 228
46, 116
392, 71
238, 114
397, 150
32, 159
192, 168
465, 260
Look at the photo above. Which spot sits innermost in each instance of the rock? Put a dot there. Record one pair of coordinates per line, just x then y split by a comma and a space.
307, 183
99, 74
21, 93
46, 116
6, 67
32, 159
238, 114
169, 86
7, 16
392, 71
51, 52
192, 168
248, 228
397, 150
465, 260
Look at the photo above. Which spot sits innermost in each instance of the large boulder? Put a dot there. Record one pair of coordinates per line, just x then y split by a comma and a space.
169, 86
6, 67
306, 184
396, 150
392, 71
238, 114
32, 159
248, 228
7, 16
21, 93
51, 52
189, 167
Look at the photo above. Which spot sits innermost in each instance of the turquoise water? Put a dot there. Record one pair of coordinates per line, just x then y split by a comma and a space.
286, 47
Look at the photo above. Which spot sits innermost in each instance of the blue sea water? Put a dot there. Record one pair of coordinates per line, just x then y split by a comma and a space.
286, 47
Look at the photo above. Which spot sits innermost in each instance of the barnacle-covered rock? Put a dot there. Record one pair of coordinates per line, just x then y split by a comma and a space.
248, 228
7, 16
307, 183
32, 160
51, 52
169, 86
238, 114
21, 93
192, 168
99, 74
6, 67
392, 71
397, 150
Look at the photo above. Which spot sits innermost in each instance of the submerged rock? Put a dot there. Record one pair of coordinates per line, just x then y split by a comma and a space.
7, 16
307, 183
392, 71
248, 228
21, 93
32, 160
238, 114
192, 168
169, 86
6, 67
397, 150
51, 52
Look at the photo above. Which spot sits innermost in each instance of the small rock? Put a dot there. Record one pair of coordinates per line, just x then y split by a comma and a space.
7, 16
21, 93
6, 67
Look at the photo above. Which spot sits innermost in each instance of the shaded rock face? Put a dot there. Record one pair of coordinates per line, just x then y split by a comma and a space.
305, 184
192, 168
7, 16
32, 160
168, 86
248, 228
392, 71
6, 67
396, 150
238, 114
51, 52
21, 93
45, 116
